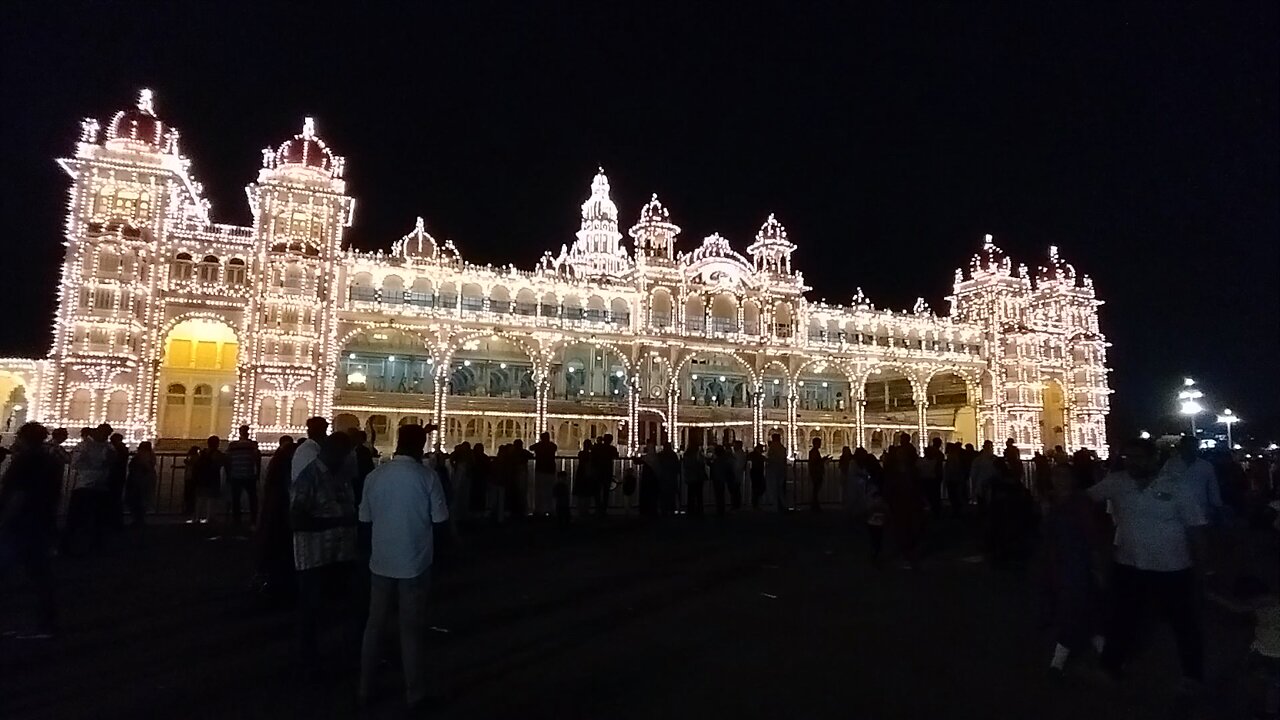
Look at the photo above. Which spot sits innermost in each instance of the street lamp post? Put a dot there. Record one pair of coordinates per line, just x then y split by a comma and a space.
1228, 418
1189, 398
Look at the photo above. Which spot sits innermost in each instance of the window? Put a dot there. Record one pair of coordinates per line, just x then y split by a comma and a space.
202, 396
181, 268
117, 406
103, 298
235, 271
80, 401
209, 269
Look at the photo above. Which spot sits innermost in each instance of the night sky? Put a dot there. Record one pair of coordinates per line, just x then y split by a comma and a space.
1143, 141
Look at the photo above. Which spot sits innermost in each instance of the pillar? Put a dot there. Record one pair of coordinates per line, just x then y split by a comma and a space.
673, 405
633, 414
922, 417
792, 401
757, 415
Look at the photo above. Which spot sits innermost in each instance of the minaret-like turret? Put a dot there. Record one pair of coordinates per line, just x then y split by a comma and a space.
655, 234
598, 251
772, 250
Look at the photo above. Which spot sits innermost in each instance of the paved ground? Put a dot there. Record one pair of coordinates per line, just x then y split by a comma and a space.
754, 616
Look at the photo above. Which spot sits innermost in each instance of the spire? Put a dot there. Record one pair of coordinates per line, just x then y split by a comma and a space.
145, 101
597, 251
772, 250
654, 233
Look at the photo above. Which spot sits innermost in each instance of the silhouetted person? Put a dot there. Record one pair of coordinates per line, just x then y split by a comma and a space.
274, 537
1013, 460
957, 479
603, 457
244, 465
209, 469
650, 479
739, 457
584, 487
544, 474
694, 470
904, 499
520, 458
931, 475
1075, 547
817, 473
668, 478
28, 516
117, 476
721, 475
776, 471
481, 474
757, 462
141, 482
309, 449
322, 513
364, 457
89, 502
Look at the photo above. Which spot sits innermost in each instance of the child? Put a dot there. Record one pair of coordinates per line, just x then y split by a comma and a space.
1252, 596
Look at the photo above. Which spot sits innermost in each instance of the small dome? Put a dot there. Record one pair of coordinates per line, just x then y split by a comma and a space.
1056, 271
654, 212
772, 231
417, 244
306, 149
138, 124
990, 258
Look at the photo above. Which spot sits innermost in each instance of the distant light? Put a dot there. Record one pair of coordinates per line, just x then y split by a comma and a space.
1188, 382
352, 356
1190, 407
225, 389
619, 373
775, 381
693, 376
1237, 447
17, 408
721, 378
502, 365
570, 369
824, 384
1273, 447
466, 363
391, 358
1144, 435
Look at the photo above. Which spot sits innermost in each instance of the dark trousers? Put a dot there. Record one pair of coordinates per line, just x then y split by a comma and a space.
815, 487
32, 554
694, 501
717, 489
250, 487
757, 491
735, 493
1171, 595
933, 493
958, 494
602, 496
325, 597
86, 512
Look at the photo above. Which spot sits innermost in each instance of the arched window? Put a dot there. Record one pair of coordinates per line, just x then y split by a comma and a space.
267, 411
236, 272
208, 270
181, 267
108, 261
202, 396
80, 401
660, 308
299, 412
293, 277
117, 406
392, 290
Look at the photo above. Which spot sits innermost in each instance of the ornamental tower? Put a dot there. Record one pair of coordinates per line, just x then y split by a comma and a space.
128, 185
598, 251
300, 207
771, 251
654, 233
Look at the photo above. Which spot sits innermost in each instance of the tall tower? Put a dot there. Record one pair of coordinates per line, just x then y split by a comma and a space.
771, 251
127, 185
300, 208
598, 250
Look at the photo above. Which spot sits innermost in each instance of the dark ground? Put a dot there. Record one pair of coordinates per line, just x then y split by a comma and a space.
750, 617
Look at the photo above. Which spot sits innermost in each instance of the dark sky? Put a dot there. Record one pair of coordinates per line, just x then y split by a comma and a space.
1143, 140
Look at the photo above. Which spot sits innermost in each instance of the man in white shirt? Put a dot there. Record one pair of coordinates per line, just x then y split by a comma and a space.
403, 500
309, 449
1159, 537
1196, 475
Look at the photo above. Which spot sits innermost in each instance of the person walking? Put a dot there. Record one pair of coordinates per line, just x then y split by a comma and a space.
273, 537
403, 502
1197, 476
1159, 543
1074, 561
544, 474
28, 518
141, 482
244, 466
757, 461
817, 473
322, 513
210, 466
190, 462
694, 470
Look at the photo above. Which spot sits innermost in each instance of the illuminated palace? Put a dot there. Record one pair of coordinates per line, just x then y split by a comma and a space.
175, 327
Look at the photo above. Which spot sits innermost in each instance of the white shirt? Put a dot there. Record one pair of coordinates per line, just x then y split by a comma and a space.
402, 498
308, 450
1198, 479
1151, 523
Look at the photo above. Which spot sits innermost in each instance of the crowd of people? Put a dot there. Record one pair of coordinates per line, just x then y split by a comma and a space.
342, 535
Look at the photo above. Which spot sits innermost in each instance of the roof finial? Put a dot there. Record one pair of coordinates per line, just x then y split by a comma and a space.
308, 127
419, 227
145, 101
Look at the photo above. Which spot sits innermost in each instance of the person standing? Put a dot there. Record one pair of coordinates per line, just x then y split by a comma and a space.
274, 538
983, 474
776, 471
520, 458
403, 502
86, 509
364, 457
739, 473
116, 478
544, 474
603, 457
817, 473
1074, 551
583, 481
904, 499
28, 518
757, 460
931, 469
1197, 477
141, 483
1013, 460
58, 451
1159, 542
694, 470
668, 479
309, 449
322, 513
721, 475
190, 463
650, 479
462, 460
481, 473
210, 466
957, 479
244, 466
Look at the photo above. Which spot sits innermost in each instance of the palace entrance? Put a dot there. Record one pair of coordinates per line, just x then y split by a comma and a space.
197, 381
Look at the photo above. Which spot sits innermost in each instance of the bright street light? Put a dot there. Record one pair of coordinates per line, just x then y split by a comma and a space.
1144, 435
1188, 404
1228, 418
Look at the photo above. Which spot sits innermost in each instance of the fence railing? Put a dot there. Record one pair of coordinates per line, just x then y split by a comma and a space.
171, 493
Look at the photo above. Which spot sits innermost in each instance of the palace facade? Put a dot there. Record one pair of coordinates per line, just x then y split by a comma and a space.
175, 327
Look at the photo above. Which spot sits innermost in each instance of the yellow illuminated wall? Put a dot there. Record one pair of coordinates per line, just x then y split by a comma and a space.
197, 381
